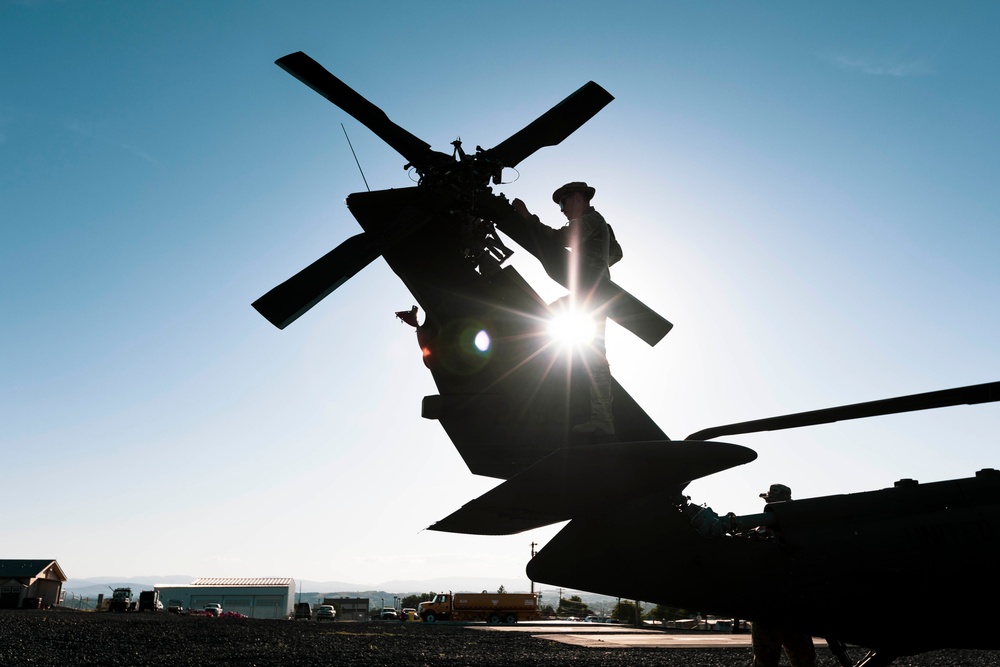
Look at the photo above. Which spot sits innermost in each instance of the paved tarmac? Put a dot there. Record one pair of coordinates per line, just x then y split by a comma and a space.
597, 635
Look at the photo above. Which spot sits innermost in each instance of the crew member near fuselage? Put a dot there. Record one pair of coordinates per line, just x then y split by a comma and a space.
594, 249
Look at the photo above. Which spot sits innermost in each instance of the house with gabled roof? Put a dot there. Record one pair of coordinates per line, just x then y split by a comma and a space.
37, 581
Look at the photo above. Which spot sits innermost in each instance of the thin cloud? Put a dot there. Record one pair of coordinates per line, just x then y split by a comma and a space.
87, 131
883, 66
139, 153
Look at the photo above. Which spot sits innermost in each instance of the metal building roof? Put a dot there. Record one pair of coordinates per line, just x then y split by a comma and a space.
243, 581
30, 568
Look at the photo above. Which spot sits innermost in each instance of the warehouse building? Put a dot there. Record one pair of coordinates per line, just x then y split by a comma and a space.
266, 597
349, 609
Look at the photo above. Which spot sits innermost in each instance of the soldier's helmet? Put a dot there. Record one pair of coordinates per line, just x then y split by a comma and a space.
570, 188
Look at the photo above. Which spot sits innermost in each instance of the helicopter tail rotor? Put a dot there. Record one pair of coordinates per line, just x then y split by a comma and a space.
288, 301
553, 126
456, 176
314, 75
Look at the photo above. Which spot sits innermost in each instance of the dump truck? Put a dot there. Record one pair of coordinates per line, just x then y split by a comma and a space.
150, 601
121, 600
493, 608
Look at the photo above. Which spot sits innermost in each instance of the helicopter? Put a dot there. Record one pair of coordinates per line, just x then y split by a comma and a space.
847, 568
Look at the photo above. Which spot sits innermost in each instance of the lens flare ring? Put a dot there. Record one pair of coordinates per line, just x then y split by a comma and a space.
482, 341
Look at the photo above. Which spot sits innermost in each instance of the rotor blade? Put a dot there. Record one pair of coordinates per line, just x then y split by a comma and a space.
632, 314
311, 73
553, 126
292, 298
971, 395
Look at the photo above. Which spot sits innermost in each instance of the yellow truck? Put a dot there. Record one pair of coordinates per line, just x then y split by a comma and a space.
493, 608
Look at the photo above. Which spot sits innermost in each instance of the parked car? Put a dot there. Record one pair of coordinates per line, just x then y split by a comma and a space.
389, 614
303, 611
326, 612
410, 614
213, 609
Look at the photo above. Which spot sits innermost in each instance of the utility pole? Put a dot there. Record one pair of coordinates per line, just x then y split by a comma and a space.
533, 545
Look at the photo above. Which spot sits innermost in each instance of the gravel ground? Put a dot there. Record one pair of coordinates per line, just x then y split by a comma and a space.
81, 638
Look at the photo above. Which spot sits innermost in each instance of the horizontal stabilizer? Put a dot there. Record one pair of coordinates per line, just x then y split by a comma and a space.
557, 488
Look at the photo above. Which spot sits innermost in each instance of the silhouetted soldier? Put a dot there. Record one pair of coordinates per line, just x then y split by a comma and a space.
594, 249
769, 639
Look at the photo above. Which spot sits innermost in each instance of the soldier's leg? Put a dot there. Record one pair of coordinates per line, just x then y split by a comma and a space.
800, 650
601, 415
766, 645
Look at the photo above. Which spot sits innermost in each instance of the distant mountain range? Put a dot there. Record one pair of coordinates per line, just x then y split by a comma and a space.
101, 584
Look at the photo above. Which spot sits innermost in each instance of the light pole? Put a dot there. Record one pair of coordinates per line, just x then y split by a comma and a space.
533, 545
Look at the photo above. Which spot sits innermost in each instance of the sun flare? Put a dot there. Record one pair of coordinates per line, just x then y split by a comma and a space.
572, 329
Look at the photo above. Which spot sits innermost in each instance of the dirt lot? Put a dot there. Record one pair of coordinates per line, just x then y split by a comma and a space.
80, 638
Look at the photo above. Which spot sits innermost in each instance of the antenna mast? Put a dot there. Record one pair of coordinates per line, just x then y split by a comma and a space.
355, 157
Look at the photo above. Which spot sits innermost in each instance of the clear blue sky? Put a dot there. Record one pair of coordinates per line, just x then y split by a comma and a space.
809, 192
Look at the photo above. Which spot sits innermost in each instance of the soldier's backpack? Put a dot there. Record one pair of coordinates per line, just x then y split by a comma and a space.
614, 248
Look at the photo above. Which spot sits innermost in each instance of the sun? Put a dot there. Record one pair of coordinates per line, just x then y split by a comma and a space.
572, 329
